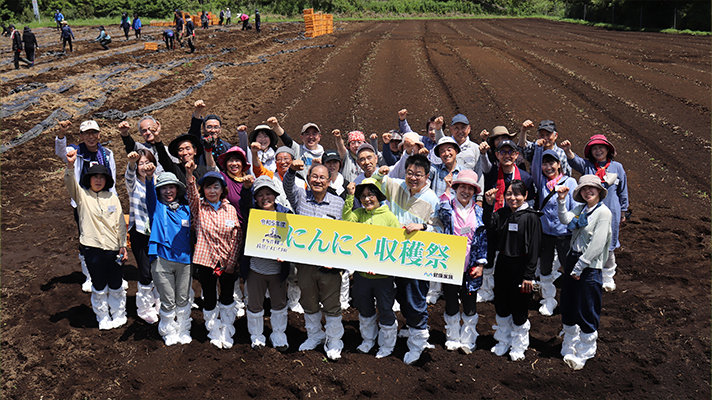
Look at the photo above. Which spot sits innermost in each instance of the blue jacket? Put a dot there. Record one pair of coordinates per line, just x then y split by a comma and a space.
550, 223
170, 230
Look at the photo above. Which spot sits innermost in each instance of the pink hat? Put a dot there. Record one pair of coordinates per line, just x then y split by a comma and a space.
356, 136
222, 158
599, 139
467, 177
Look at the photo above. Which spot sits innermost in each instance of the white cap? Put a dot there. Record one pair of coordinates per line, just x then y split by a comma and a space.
88, 126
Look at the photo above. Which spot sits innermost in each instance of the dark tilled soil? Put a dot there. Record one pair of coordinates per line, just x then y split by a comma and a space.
649, 93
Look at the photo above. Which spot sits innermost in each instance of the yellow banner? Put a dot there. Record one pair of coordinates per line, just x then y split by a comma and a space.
357, 247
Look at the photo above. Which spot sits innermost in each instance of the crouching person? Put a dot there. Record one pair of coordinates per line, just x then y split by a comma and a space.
169, 252
370, 288
262, 274
219, 237
103, 235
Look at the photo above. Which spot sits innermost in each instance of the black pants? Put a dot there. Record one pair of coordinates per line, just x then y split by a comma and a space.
454, 292
126, 33
562, 244
170, 42
139, 248
138, 33
257, 26
508, 297
64, 43
190, 43
18, 58
103, 268
30, 53
104, 43
208, 281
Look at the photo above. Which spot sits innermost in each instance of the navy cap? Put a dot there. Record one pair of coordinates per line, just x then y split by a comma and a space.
507, 143
330, 155
459, 118
547, 125
551, 153
212, 174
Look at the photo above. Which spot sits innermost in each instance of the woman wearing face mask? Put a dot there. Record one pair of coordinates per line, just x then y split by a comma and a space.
219, 235
103, 235
555, 234
262, 274
371, 291
599, 153
581, 294
463, 217
141, 162
169, 250
517, 237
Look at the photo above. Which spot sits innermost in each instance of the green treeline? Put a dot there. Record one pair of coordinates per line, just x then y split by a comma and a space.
632, 14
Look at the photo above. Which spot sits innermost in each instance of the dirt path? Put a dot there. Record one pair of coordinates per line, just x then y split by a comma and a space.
648, 92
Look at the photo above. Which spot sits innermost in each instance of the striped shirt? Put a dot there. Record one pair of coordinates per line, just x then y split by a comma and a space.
138, 212
218, 231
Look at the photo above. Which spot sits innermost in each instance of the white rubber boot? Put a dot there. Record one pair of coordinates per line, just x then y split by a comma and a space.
145, 303
227, 324
503, 335
191, 296
334, 332
239, 302
183, 322
117, 306
387, 336
417, 342
278, 319
571, 338
468, 333
86, 286
452, 331
100, 305
486, 291
434, 292
315, 335
256, 327
548, 294
344, 296
294, 293
396, 306
213, 324
585, 350
168, 327
369, 332
520, 341
609, 270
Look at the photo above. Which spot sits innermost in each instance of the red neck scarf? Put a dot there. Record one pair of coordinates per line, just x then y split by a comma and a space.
499, 199
601, 170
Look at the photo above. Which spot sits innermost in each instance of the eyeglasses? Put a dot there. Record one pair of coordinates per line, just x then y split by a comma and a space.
90, 133
413, 175
212, 127
283, 160
508, 152
311, 134
318, 178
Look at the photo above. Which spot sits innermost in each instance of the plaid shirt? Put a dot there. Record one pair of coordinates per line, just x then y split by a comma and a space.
304, 203
218, 231
437, 177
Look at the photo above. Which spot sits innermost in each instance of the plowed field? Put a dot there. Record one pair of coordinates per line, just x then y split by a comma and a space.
648, 92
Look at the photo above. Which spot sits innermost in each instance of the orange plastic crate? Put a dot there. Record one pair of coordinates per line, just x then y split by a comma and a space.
150, 46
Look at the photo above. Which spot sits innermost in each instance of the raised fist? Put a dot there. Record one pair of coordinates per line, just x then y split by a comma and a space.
374, 136
566, 145
199, 104
255, 147
562, 191
402, 114
387, 137
190, 167
384, 170
439, 121
124, 127
63, 125
484, 134
242, 128
423, 151
448, 180
527, 124
351, 189
133, 157
249, 180
149, 168
71, 156
490, 195
484, 147
297, 165
336, 133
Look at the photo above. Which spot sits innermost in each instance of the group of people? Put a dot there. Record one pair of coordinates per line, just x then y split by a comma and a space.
190, 202
126, 24
26, 41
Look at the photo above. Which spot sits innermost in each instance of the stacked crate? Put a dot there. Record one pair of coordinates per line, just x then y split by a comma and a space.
317, 24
